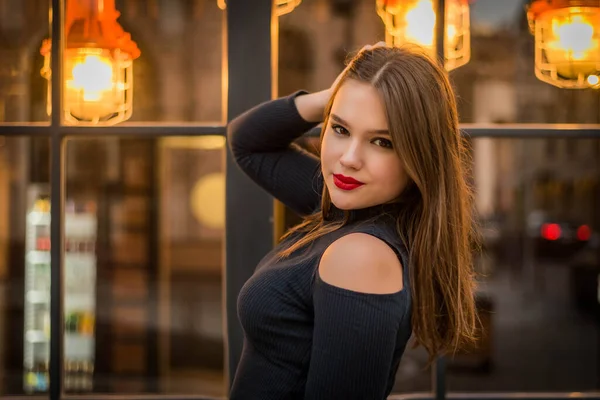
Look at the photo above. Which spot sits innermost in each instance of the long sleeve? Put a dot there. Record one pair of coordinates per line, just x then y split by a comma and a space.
261, 143
354, 343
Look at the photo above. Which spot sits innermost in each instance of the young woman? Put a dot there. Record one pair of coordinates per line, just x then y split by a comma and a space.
385, 248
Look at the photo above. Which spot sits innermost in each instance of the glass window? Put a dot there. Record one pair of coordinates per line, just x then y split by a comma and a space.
315, 38
538, 296
144, 226
498, 85
24, 266
23, 90
179, 76
538, 293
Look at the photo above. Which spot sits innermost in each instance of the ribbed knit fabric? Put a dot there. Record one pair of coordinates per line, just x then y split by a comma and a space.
304, 338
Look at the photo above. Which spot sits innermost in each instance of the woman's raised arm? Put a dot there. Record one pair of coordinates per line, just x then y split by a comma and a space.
261, 140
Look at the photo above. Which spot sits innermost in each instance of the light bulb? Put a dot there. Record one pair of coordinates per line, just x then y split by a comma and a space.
95, 83
575, 37
93, 76
572, 46
420, 23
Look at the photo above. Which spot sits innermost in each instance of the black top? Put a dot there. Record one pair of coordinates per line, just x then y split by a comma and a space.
305, 338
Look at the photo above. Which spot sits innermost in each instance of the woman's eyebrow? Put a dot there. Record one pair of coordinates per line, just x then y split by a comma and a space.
340, 120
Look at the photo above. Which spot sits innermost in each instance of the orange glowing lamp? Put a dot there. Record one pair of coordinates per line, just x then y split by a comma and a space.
97, 65
281, 7
414, 21
567, 42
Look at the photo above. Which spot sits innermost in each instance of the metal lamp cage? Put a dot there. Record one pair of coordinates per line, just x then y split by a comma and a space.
567, 42
403, 17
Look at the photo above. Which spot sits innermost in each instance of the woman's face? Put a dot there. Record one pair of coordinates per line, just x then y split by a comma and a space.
359, 164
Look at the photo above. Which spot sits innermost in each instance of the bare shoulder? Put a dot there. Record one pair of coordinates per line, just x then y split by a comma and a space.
362, 263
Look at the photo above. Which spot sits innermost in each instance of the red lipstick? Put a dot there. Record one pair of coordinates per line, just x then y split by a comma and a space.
346, 182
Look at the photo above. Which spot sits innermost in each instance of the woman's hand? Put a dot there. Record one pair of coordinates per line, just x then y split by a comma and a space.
312, 106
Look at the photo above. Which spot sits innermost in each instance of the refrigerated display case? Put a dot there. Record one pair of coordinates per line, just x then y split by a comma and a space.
79, 299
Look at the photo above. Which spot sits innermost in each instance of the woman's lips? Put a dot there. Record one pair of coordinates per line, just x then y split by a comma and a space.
346, 182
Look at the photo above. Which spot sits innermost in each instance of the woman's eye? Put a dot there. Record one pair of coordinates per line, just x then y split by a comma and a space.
383, 143
340, 130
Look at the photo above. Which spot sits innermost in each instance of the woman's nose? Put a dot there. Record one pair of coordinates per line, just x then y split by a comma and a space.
351, 157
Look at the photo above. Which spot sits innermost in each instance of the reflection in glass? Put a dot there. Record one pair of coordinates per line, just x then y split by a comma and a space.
538, 271
156, 267
567, 40
536, 201
315, 38
23, 26
179, 76
79, 270
497, 86
539, 268
24, 266
192, 229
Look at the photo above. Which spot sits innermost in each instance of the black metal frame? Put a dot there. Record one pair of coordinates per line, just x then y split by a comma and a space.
57, 185
249, 225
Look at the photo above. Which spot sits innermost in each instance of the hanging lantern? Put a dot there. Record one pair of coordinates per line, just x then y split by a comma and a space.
567, 42
97, 65
413, 21
281, 7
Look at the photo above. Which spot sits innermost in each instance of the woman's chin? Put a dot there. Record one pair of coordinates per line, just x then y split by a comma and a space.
343, 201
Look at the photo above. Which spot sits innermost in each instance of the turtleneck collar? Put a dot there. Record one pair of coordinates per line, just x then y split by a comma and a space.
362, 214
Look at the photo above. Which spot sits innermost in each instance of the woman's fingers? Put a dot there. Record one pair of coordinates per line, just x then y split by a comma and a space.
374, 46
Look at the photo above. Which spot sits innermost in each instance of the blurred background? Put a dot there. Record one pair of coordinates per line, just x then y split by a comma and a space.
145, 217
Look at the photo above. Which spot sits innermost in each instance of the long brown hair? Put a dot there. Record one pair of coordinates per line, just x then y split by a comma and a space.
436, 220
